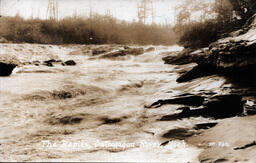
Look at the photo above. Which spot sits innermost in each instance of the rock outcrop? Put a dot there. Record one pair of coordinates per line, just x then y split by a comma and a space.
123, 52
218, 107
6, 69
190, 100
232, 57
186, 56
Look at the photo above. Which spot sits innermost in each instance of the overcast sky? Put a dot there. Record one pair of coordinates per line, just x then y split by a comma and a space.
121, 9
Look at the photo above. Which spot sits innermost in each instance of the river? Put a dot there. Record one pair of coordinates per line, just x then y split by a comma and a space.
93, 111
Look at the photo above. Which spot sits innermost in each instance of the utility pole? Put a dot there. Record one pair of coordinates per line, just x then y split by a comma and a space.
0, 8
91, 12
108, 13
145, 11
52, 10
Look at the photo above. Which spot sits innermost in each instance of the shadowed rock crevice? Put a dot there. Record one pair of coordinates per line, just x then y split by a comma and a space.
179, 133
246, 146
218, 107
190, 100
201, 126
242, 76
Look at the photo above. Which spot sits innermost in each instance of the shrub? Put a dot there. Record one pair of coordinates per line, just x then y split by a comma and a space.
76, 30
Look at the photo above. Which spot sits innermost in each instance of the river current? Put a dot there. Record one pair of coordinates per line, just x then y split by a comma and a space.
93, 111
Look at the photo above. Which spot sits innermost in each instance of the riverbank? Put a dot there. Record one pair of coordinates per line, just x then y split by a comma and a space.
231, 138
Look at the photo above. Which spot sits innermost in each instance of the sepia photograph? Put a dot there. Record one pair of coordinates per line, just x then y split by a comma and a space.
128, 81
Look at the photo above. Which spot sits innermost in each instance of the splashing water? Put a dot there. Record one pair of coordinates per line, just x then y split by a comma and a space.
93, 111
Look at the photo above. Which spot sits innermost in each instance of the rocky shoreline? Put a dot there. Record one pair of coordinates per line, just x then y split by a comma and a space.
233, 58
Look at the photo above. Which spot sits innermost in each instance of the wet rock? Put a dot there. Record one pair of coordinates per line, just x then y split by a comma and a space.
50, 61
66, 120
111, 121
26, 63
183, 108
185, 57
126, 47
190, 100
135, 51
230, 53
114, 54
150, 49
246, 146
179, 133
198, 71
243, 76
187, 113
36, 63
69, 63
205, 125
250, 110
6, 69
165, 143
98, 51
220, 160
70, 120
224, 106
126, 51
49, 64
62, 95
217, 107
171, 117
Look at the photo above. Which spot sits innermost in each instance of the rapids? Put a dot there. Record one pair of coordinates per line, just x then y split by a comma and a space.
94, 111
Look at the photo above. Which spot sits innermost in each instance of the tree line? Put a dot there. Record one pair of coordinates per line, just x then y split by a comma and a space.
97, 29
201, 22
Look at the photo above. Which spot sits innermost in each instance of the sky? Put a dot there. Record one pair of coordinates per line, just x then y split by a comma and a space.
121, 9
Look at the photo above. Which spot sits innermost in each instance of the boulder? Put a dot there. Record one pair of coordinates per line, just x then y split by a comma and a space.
49, 64
69, 63
124, 52
6, 69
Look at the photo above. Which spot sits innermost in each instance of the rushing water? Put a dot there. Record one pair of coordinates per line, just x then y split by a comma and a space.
94, 111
